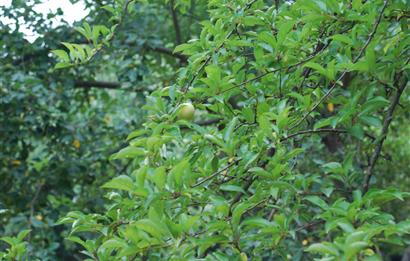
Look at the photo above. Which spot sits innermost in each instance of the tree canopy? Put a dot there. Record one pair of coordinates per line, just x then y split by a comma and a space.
260, 130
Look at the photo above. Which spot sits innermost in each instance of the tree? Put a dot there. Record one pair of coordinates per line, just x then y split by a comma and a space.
294, 101
256, 182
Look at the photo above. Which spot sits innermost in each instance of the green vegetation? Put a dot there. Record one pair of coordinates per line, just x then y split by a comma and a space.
213, 130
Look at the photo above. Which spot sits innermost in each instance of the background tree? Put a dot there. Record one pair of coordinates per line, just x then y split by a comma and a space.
58, 127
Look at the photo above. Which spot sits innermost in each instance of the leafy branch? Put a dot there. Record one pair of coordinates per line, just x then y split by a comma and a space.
359, 55
80, 54
208, 59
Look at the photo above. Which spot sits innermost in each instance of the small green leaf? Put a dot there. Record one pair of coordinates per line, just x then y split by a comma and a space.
128, 152
237, 213
63, 55
115, 243
342, 38
62, 65
23, 234
323, 248
232, 188
229, 129
122, 182
317, 201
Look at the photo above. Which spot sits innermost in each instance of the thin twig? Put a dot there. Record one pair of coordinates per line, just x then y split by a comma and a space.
215, 174
32, 206
307, 132
238, 197
308, 225
251, 208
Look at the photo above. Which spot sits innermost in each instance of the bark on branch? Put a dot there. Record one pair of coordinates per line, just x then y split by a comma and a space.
167, 51
386, 123
175, 21
308, 132
97, 84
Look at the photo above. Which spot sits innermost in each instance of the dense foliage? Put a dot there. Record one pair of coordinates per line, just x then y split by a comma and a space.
297, 150
59, 127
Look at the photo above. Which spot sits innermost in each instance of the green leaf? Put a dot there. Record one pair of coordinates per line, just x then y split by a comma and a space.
373, 105
342, 38
22, 234
215, 140
122, 182
284, 186
267, 37
284, 30
317, 67
357, 131
128, 152
333, 167
180, 172
159, 177
317, 201
252, 20
62, 65
238, 211
150, 227
257, 222
136, 134
115, 243
182, 48
232, 188
109, 8
63, 55
230, 129
323, 248
372, 121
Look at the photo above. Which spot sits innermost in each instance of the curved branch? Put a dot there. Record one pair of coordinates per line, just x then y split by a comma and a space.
386, 123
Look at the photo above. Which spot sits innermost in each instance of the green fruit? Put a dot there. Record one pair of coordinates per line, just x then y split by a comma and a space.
186, 112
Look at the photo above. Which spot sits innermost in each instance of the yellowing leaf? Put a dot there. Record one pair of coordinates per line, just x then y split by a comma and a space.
330, 107
76, 144
16, 162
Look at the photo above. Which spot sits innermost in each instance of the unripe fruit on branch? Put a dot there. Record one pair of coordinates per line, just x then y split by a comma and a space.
186, 111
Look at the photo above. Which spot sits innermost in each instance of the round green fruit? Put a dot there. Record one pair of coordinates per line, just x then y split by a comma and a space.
186, 112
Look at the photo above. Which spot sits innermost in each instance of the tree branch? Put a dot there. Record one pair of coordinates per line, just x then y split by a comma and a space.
215, 174
97, 84
307, 132
32, 205
209, 122
386, 123
175, 21
167, 51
